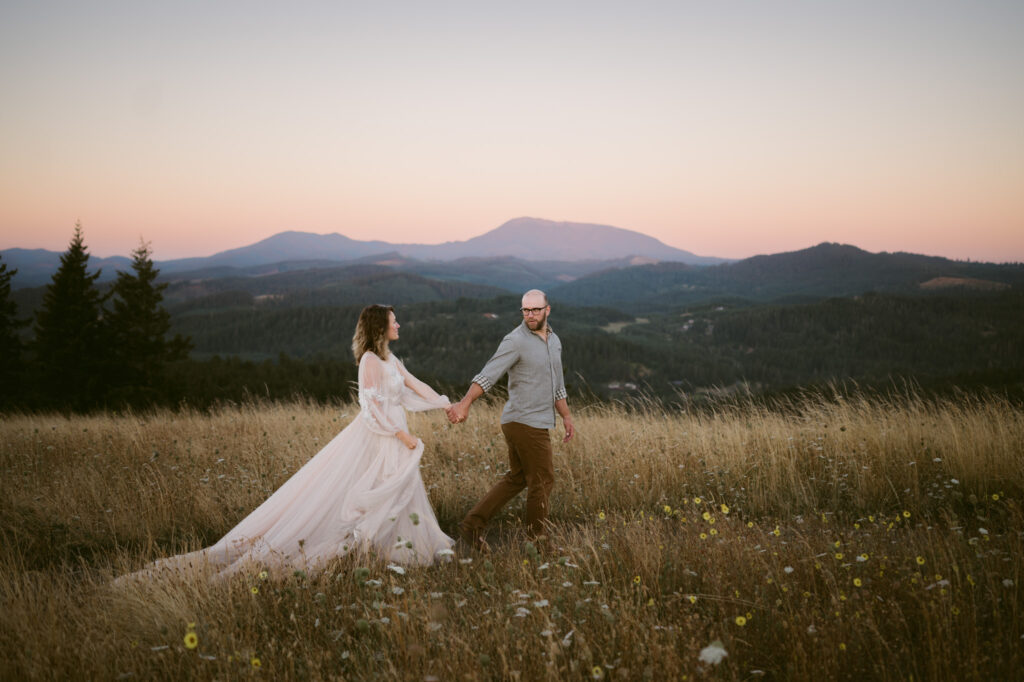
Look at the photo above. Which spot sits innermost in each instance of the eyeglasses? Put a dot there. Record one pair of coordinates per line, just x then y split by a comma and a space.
533, 311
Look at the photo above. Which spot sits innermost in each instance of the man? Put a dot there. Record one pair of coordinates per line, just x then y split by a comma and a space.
532, 356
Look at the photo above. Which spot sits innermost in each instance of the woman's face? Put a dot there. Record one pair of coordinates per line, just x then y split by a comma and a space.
392, 326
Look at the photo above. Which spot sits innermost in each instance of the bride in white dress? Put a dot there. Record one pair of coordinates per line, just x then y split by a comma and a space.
361, 493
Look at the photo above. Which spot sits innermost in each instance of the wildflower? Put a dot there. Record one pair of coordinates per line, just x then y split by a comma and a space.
839, 555
667, 509
706, 515
724, 508
600, 516
995, 497
650, 601
263, 575
788, 569
776, 532
713, 653
920, 561
750, 524
956, 611
703, 536
713, 531
255, 662
597, 672
636, 580
397, 569
906, 514
696, 500
856, 526
863, 557
692, 598
836, 545
254, 589
191, 640
842, 646
871, 518
857, 582
741, 621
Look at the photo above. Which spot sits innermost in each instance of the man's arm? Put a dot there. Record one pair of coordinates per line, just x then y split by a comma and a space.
562, 406
503, 358
460, 410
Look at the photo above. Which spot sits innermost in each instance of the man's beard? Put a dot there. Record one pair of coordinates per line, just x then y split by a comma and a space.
535, 323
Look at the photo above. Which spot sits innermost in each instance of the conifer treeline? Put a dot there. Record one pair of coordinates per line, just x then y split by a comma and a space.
89, 349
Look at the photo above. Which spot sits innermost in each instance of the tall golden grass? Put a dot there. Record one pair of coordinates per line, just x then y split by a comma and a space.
820, 539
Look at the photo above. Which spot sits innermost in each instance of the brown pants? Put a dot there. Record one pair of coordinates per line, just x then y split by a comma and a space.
530, 467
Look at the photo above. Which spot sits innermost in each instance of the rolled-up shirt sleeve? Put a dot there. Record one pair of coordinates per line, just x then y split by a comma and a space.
503, 358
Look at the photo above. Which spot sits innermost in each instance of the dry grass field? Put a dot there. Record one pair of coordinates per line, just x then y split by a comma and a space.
823, 539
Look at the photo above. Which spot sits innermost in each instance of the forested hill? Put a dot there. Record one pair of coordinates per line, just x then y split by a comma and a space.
967, 340
826, 270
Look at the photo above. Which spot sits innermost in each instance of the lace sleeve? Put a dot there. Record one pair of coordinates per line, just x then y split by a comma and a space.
372, 399
416, 395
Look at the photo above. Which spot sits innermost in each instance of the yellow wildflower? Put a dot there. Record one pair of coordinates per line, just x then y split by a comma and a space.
741, 621
254, 589
255, 662
920, 561
191, 640
857, 582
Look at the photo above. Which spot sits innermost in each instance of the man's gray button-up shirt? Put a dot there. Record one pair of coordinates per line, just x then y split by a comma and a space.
535, 378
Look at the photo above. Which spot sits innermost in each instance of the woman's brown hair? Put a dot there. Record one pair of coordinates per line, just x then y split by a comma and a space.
372, 331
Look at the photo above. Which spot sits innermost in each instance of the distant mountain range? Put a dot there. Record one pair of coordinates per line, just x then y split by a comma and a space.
822, 271
527, 239
577, 264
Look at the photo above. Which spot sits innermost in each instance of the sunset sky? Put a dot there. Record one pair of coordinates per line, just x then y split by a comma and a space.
727, 128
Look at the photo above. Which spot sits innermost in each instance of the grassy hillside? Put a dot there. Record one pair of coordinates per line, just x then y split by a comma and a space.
812, 540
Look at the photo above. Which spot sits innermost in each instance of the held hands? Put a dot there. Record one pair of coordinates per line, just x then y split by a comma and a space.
457, 412
407, 440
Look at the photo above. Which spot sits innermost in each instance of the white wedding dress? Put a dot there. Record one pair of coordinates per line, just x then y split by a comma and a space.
361, 493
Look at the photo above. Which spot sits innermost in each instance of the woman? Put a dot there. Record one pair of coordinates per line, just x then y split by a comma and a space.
361, 492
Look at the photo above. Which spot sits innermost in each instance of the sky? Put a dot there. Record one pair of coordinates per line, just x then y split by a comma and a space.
726, 128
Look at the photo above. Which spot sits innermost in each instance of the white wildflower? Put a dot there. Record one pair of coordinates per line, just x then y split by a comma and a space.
396, 568
713, 653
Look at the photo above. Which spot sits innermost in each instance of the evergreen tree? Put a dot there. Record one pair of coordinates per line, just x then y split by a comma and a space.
11, 358
69, 348
137, 328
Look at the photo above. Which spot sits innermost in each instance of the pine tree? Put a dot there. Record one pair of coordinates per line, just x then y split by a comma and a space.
137, 328
11, 357
69, 348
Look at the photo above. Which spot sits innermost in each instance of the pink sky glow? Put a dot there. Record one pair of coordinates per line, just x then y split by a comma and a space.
726, 129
